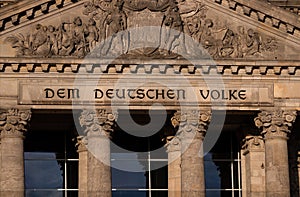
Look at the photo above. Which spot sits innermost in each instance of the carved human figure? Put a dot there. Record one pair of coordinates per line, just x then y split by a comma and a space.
193, 26
65, 42
207, 39
206, 32
172, 28
39, 40
93, 36
78, 37
52, 40
115, 24
227, 48
242, 42
253, 42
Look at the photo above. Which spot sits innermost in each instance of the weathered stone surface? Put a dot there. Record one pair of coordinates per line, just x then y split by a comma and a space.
106, 29
174, 166
253, 166
13, 124
94, 153
254, 47
276, 127
192, 126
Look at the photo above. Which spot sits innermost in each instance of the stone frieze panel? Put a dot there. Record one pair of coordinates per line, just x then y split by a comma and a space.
103, 28
146, 95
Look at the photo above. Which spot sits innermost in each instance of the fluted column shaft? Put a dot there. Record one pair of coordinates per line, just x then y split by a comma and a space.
192, 126
96, 137
12, 126
275, 127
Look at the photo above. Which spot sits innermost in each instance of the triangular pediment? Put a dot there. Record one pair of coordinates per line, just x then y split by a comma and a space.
221, 29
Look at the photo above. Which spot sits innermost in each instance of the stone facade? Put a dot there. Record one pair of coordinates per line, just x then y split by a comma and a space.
194, 59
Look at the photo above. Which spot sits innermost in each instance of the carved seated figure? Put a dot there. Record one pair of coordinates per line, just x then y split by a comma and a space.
253, 42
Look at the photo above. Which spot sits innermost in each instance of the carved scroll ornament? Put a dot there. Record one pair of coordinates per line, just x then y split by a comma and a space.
275, 123
191, 121
251, 142
14, 121
97, 122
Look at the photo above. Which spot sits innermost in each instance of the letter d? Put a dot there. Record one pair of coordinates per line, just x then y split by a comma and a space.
49, 93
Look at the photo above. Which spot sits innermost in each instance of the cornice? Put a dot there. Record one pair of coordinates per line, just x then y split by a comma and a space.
22, 11
97, 65
15, 14
263, 11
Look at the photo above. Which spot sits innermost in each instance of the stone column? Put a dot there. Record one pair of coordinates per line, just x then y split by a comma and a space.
192, 126
275, 127
82, 166
13, 124
174, 166
98, 126
253, 166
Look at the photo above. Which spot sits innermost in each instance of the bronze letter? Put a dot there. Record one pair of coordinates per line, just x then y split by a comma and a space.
47, 91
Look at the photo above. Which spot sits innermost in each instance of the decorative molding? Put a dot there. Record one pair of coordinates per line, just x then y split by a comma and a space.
22, 11
204, 67
107, 24
275, 123
263, 12
13, 122
191, 122
97, 122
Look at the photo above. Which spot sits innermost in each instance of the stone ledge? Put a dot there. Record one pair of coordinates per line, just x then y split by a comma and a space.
94, 65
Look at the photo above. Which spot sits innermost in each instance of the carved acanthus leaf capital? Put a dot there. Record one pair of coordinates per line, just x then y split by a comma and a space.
275, 123
97, 122
253, 143
81, 144
14, 121
173, 144
191, 121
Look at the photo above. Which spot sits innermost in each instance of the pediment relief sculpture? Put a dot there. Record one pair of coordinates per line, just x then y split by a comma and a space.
103, 30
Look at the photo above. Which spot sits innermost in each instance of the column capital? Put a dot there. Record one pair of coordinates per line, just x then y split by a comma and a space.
276, 123
13, 122
173, 144
191, 121
252, 143
97, 122
81, 143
